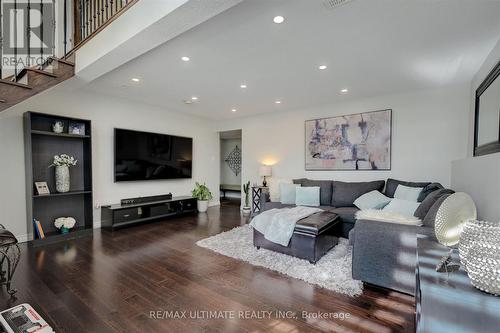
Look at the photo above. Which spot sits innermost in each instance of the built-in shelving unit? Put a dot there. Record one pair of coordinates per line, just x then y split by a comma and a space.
41, 144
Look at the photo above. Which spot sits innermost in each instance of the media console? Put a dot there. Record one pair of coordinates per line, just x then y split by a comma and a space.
117, 216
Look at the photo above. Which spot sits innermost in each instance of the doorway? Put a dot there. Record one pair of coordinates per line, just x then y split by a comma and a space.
230, 167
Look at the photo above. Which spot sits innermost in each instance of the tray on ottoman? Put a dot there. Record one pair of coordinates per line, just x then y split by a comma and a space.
312, 238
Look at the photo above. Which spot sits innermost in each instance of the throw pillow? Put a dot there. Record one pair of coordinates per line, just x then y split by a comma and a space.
404, 207
429, 201
287, 193
428, 190
430, 217
325, 192
372, 200
392, 185
407, 193
307, 196
274, 187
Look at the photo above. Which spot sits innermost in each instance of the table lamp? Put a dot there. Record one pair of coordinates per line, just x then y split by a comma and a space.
265, 171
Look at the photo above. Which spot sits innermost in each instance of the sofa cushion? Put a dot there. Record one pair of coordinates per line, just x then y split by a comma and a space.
428, 190
403, 207
274, 187
272, 205
392, 185
325, 192
429, 201
430, 217
346, 214
344, 194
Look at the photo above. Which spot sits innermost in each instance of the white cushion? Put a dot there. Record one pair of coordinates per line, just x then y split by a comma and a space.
407, 193
404, 207
386, 216
274, 187
307, 196
287, 193
372, 200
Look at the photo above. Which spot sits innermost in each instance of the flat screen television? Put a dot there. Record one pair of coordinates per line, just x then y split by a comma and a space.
150, 156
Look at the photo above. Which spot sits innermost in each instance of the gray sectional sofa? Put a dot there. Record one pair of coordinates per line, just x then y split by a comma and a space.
383, 253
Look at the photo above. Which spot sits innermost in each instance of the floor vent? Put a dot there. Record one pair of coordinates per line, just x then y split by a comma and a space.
330, 4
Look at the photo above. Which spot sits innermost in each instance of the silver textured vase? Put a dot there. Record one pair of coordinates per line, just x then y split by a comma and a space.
62, 179
480, 254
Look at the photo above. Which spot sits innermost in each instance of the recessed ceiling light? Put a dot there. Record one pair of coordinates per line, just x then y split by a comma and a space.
233, 110
344, 91
323, 67
194, 98
136, 79
188, 101
277, 102
185, 58
243, 86
278, 19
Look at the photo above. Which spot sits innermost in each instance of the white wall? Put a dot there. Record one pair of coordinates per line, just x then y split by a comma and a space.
227, 175
106, 114
429, 131
480, 176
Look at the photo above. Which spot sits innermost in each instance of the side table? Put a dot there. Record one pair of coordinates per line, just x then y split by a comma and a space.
256, 194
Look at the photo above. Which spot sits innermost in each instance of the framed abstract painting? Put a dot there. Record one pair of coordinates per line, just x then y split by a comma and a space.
354, 142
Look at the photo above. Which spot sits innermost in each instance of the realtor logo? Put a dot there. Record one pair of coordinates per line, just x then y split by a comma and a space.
27, 32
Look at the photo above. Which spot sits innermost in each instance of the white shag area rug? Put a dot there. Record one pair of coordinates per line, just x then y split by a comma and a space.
332, 271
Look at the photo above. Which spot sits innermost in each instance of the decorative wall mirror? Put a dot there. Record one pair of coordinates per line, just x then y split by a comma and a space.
487, 118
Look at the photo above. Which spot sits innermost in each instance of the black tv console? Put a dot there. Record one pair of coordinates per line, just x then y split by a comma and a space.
117, 216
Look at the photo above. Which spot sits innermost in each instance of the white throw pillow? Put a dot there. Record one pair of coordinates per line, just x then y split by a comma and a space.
404, 207
307, 196
274, 187
372, 200
407, 193
287, 193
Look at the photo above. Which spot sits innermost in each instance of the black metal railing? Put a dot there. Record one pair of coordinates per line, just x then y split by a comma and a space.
79, 20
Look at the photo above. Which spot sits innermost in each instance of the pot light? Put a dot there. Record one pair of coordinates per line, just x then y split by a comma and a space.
243, 86
233, 110
185, 58
344, 91
277, 102
194, 98
323, 67
136, 79
278, 19
188, 101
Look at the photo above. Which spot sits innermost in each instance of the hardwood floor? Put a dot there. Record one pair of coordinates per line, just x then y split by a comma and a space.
112, 282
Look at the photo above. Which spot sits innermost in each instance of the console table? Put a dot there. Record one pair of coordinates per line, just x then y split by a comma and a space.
117, 216
449, 303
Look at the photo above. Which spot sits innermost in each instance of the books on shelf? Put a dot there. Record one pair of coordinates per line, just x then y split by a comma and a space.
37, 226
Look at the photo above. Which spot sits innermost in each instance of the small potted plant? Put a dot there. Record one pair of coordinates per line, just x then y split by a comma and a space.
64, 224
62, 164
247, 209
203, 194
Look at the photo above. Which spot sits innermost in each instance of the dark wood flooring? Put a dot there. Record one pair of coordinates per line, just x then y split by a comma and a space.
111, 282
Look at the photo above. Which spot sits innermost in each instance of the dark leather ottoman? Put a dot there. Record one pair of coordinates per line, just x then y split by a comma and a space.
312, 238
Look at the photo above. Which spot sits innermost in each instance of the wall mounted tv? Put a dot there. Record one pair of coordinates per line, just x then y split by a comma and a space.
151, 156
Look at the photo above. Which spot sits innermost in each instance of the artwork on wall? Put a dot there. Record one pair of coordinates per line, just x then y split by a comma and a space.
353, 142
233, 160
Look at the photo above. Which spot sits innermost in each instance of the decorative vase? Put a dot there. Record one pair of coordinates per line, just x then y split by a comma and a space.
202, 206
480, 254
62, 179
246, 210
64, 230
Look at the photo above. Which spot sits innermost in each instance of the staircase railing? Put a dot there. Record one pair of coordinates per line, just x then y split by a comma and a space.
33, 31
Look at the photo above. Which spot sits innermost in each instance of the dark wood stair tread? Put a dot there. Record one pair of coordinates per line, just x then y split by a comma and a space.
22, 85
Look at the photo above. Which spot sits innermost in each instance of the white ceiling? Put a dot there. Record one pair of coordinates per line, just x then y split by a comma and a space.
371, 47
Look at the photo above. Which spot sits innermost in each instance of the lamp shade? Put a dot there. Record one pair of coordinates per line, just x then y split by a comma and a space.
265, 171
